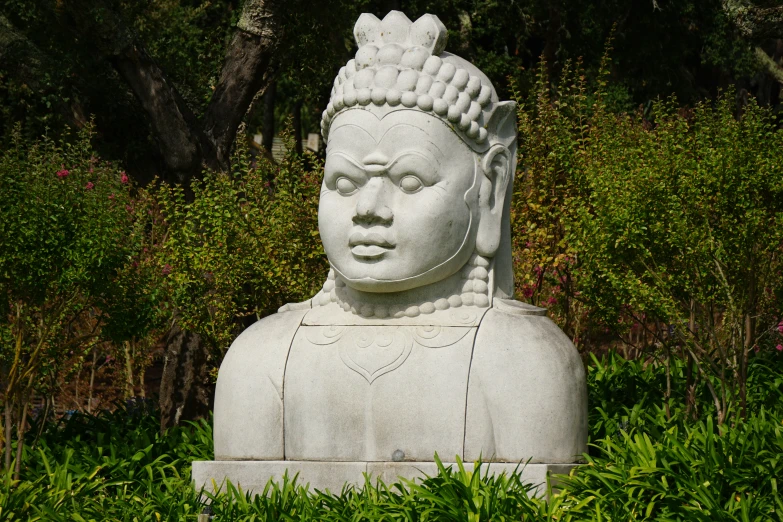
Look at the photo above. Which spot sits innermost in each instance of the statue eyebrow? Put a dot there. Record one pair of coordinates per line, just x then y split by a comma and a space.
421, 130
347, 157
382, 168
347, 125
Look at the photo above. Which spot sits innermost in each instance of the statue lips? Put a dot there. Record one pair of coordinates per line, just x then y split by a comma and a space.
370, 246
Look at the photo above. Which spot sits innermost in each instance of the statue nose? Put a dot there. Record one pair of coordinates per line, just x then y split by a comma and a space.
371, 206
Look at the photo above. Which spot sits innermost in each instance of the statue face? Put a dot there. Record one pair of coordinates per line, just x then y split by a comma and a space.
397, 206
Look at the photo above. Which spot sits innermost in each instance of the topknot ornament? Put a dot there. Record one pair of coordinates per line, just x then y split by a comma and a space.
403, 64
428, 32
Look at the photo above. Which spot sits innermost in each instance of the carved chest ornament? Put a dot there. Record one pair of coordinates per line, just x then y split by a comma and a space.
372, 351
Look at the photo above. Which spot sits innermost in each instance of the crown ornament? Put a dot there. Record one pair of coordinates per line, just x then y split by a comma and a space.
403, 63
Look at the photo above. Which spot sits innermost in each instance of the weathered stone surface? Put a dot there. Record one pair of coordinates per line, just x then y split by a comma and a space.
526, 395
333, 476
372, 390
414, 345
248, 418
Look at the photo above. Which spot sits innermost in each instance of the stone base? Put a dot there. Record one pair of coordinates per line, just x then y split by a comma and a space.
253, 475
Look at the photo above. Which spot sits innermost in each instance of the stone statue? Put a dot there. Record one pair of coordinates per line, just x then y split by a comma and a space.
414, 345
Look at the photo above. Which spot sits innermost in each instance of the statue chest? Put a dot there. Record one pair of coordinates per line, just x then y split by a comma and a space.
376, 393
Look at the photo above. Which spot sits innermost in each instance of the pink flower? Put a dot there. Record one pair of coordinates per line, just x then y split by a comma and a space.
92, 170
129, 208
166, 269
111, 196
62, 173
527, 291
551, 301
124, 178
89, 185
779, 347
780, 327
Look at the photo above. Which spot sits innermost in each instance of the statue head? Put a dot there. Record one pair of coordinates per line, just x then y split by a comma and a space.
420, 159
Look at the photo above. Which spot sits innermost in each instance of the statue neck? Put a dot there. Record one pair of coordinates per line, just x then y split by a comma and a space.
468, 287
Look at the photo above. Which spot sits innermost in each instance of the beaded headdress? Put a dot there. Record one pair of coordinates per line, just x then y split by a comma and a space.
402, 63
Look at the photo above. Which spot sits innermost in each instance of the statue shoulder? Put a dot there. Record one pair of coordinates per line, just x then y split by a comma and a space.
248, 413
527, 396
514, 307
522, 331
268, 330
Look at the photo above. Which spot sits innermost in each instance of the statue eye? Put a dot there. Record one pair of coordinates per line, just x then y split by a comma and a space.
411, 183
345, 186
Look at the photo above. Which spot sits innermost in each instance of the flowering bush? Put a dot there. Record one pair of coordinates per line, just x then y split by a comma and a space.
66, 237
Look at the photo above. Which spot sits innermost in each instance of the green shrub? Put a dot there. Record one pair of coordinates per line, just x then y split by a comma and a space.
66, 236
643, 466
664, 228
244, 245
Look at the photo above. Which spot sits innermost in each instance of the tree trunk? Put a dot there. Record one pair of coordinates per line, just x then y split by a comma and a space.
129, 391
92, 379
188, 143
186, 390
268, 123
142, 388
185, 143
755, 22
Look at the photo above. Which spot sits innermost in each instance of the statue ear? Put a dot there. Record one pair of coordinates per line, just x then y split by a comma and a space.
502, 126
495, 165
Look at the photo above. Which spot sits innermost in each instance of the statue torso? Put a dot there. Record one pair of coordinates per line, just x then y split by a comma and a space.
378, 391
345, 388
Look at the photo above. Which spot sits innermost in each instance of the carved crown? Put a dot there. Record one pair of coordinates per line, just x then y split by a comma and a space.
399, 63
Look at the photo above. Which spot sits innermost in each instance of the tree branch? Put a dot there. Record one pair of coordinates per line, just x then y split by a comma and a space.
755, 22
247, 69
184, 143
172, 121
770, 65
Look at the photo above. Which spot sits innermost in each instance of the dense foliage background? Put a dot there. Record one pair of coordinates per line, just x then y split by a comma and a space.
647, 217
644, 464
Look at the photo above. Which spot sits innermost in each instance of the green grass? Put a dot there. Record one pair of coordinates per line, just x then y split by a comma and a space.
642, 465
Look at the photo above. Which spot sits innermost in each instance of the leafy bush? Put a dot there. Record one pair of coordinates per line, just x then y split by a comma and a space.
665, 228
643, 466
244, 245
68, 231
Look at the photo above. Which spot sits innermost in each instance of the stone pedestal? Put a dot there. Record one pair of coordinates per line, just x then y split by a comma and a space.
333, 476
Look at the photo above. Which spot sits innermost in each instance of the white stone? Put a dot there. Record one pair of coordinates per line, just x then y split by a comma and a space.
414, 346
253, 476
